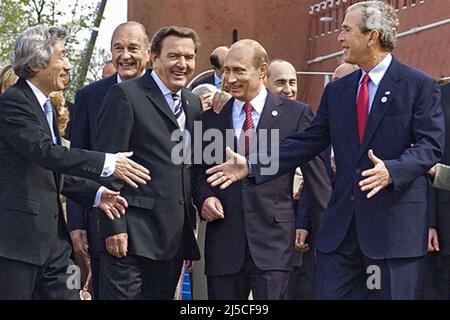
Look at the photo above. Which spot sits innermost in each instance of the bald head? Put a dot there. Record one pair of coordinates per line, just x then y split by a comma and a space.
343, 70
282, 79
217, 59
245, 69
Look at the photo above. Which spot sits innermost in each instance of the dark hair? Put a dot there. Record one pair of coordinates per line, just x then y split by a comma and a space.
181, 32
214, 61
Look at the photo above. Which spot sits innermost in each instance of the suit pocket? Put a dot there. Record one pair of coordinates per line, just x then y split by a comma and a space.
23, 204
284, 211
141, 202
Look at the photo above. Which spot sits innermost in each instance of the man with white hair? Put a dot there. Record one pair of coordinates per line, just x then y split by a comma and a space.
35, 245
387, 130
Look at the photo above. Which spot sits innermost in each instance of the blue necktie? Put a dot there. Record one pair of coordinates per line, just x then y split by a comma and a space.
48, 110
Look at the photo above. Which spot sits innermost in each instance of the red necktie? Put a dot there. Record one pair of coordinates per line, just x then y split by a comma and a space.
362, 107
247, 128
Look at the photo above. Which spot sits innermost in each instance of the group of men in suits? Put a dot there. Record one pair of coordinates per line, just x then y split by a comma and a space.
384, 122
386, 127
35, 246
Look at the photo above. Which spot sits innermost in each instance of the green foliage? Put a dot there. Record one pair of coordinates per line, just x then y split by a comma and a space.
76, 17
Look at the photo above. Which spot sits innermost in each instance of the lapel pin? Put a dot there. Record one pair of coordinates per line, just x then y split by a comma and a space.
383, 100
274, 113
387, 93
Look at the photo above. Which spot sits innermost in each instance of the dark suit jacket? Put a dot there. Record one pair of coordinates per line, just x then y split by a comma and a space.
208, 79
440, 199
261, 215
32, 178
83, 128
405, 130
160, 218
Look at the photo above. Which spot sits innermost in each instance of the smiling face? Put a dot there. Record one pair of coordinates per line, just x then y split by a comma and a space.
242, 77
130, 53
176, 63
283, 79
354, 42
55, 76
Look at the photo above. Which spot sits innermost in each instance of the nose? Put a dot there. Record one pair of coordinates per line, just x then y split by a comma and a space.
125, 54
340, 36
67, 65
287, 89
181, 62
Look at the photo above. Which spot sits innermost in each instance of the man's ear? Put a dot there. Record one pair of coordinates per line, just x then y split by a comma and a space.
374, 37
263, 70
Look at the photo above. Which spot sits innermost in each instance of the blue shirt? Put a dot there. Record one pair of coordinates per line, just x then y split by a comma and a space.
375, 76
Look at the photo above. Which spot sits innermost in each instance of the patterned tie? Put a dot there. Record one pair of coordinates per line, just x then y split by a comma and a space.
362, 107
48, 110
178, 110
247, 128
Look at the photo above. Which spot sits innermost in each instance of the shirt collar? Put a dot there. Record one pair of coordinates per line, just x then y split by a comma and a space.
119, 79
377, 73
257, 102
217, 80
165, 91
38, 93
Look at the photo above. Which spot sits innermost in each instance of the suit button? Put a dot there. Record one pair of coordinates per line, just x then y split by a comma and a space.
181, 202
180, 138
352, 198
358, 171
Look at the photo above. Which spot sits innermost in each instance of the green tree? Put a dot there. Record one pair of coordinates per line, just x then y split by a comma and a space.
79, 18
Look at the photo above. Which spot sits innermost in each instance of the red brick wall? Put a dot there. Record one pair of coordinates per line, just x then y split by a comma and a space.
287, 30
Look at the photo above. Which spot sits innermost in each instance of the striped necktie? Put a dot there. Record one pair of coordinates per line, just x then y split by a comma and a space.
178, 110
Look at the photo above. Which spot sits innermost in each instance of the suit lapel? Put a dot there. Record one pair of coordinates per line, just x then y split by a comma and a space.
156, 97
380, 104
40, 113
225, 122
36, 106
270, 113
188, 111
348, 104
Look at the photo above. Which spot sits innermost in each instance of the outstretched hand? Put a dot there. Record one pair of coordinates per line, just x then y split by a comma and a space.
112, 204
377, 178
231, 171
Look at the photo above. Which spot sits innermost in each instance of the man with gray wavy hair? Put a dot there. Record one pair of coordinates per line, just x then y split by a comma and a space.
35, 245
387, 129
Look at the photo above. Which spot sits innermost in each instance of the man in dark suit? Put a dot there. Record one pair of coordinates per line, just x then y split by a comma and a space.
250, 234
437, 275
34, 242
153, 115
130, 55
216, 59
386, 126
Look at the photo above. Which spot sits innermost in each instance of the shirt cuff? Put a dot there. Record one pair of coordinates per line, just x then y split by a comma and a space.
98, 196
110, 165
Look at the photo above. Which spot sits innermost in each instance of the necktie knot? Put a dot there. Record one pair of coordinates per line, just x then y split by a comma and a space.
48, 107
365, 79
248, 108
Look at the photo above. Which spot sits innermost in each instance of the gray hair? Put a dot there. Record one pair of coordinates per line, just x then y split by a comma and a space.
130, 24
377, 15
34, 49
